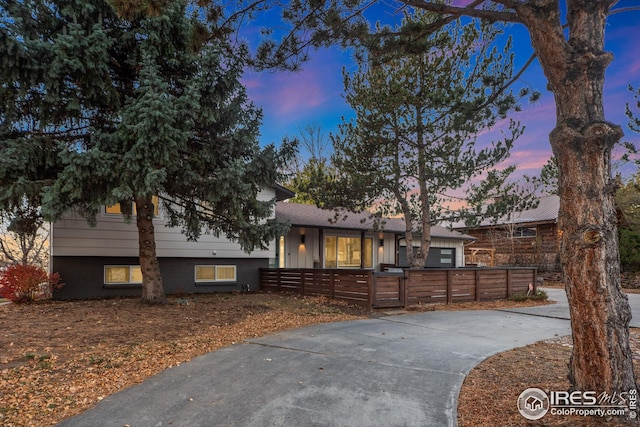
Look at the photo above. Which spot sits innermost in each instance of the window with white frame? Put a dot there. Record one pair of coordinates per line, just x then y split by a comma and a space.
215, 273
122, 275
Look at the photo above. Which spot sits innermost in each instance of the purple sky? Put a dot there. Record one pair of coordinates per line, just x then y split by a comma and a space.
290, 101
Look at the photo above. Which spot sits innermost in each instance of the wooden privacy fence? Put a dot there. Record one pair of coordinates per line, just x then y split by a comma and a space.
410, 287
353, 286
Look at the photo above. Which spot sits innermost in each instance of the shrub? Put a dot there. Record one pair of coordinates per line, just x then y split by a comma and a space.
538, 296
25, 283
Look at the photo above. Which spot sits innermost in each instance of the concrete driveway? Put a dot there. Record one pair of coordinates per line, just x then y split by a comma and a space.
560, 309
403, 370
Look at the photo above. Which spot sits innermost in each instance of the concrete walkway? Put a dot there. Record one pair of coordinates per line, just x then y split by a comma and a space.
402, 370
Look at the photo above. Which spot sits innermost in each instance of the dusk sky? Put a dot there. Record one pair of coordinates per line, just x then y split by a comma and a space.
291, 101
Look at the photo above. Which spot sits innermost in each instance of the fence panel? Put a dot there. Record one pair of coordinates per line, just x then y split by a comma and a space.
413, 287
389, 290
426, 286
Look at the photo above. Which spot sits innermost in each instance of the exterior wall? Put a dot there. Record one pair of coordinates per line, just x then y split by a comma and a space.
79, 253
111, 236
84, 276
541, 251
307, 255
458, 245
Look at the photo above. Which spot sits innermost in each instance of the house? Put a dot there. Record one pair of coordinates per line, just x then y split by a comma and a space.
319, 238
102, 261
527, 238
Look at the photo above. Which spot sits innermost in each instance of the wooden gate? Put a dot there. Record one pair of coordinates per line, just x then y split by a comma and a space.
389, 290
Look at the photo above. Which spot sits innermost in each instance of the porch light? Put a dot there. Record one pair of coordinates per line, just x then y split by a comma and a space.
381, 243
302, 239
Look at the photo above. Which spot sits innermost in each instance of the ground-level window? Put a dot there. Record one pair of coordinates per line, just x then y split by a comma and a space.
215, 273
122, 274
347, 252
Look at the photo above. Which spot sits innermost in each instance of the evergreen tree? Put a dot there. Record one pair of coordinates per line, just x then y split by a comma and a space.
413, 142
117, 102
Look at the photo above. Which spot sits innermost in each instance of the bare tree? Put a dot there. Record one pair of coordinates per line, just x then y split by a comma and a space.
24, 238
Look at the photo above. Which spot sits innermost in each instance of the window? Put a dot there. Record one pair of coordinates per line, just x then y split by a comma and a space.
346, 252
525, 232
446, 256
117, 210
281, 252
215, 273
122, 274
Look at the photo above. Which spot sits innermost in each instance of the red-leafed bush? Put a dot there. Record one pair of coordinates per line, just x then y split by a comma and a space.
25, 283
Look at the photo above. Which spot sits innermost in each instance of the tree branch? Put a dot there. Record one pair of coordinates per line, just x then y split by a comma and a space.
470, 10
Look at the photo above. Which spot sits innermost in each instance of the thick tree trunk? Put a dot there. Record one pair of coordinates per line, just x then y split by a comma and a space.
152, 289
582, 142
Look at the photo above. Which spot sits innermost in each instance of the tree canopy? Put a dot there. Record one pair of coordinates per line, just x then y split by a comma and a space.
106, 102
412, 149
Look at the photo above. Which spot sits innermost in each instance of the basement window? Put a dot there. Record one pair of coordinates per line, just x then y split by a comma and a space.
122, 275
215, 273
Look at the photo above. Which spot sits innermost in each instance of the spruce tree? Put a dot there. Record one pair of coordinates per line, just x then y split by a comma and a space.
118, 102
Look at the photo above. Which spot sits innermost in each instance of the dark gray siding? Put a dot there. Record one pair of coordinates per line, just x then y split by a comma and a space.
84, 276
437, 257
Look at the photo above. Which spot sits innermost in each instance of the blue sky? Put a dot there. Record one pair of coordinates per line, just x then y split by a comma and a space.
314, 95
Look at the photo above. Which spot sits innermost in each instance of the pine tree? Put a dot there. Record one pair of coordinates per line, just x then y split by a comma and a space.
413, 142
568, 39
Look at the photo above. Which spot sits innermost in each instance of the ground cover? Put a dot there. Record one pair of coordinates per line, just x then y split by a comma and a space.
58, 359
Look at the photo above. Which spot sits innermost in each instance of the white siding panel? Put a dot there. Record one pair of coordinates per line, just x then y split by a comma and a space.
112, 236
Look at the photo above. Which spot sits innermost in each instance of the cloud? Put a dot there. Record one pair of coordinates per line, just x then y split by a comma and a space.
288, 98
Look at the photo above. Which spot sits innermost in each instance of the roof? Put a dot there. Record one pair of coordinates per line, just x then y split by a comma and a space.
546, 211
301, 215
282, 192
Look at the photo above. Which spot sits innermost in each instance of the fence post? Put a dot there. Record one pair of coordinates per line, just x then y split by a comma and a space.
303, 277
508, 282
372, 289
477, 276
404, 291
449, 285
332, 285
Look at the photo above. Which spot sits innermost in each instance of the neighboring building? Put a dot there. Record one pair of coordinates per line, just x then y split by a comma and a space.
321, 239
527, 238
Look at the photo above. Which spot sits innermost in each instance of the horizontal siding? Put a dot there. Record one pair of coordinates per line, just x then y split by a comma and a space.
112, 236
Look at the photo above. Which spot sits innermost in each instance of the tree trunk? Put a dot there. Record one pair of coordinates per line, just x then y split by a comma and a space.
582, 142
425, 208
152, 289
